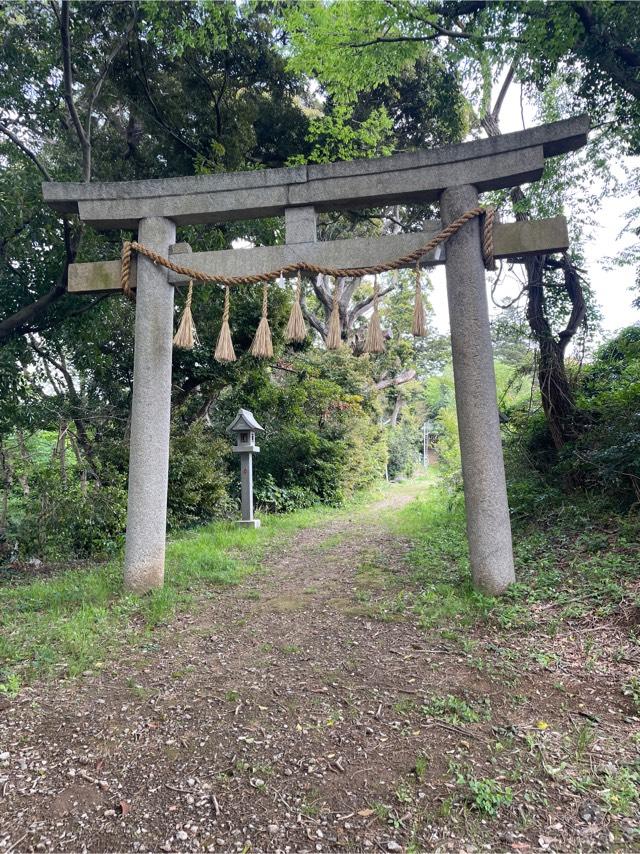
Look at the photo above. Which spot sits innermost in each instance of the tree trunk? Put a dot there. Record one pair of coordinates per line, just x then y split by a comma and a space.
397, 408
557, 398
555, 390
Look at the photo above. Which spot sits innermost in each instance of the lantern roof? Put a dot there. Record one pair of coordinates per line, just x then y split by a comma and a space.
244, 420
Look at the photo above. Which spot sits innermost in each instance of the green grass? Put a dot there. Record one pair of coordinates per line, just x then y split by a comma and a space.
76, 620
581, 560
439, 559
452, 709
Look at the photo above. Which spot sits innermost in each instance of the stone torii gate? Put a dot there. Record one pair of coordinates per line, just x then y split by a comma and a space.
454, 175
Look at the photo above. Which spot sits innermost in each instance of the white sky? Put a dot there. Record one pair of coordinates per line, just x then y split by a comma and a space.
611, 287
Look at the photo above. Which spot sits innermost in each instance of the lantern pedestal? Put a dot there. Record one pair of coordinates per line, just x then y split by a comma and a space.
245, 426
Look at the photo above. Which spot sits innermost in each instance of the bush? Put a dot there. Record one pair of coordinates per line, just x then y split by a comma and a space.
72, 519
604, 459
322, 439
279, 499
198, 476
404, 442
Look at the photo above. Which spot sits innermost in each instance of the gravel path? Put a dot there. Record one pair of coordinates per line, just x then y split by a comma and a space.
285, 714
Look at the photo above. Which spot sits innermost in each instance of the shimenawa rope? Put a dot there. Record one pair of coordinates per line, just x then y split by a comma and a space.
408, 260
262, 346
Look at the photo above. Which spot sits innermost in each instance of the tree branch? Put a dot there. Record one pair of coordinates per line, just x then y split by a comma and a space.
313, 320
105, 68
67, 73
25, 150
495, 112
404, 377
364, 304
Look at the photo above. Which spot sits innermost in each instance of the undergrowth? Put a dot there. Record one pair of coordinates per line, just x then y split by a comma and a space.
76, 619
581, 559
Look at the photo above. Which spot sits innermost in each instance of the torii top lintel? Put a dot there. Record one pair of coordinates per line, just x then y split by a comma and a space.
418, 176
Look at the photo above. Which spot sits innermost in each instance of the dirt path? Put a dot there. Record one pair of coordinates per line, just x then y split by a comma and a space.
285, 714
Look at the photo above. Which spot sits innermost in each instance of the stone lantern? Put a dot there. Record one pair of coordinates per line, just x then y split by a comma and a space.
244, 425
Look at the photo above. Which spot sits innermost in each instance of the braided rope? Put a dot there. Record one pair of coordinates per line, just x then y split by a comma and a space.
487, 238
225, 310
408, 260
125, 271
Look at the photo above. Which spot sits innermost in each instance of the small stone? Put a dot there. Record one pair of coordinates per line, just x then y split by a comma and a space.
182, 835
4, 756
589, 812
392, 845
273, 828
109, 813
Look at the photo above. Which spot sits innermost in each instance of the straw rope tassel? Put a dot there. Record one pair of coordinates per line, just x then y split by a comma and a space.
419, 328
334, 336
296, 329
186, 337
224, 348
375, 339
262, 346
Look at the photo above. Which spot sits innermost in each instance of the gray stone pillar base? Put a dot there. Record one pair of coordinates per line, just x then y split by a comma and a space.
248, 523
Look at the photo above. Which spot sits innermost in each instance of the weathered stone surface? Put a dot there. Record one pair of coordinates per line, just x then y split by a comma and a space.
488, 524
511, 240
150, 416
300, 225
417, 176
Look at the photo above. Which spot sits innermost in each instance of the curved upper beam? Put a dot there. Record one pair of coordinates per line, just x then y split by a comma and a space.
489, 164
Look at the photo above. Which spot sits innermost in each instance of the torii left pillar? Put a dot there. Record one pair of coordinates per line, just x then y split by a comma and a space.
150, 414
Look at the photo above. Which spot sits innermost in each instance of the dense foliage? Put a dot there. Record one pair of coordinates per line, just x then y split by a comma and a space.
604, 458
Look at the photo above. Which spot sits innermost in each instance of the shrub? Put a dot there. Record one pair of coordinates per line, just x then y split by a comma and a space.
322, 439
198, 476
404, 442
280, 499
604, 459
71, 519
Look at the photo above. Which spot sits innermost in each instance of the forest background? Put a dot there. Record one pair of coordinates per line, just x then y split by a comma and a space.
95, 91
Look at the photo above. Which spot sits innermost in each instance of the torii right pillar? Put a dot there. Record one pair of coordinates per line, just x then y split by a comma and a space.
485, 490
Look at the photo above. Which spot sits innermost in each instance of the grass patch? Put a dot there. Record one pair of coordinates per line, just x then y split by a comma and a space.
439, 560
76, 620
453, 710
581, 560
483, 794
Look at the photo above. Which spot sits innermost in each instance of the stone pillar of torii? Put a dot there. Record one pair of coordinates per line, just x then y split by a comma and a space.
452, 175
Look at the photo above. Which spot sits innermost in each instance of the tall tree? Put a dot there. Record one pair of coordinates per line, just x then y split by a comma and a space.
480, 39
